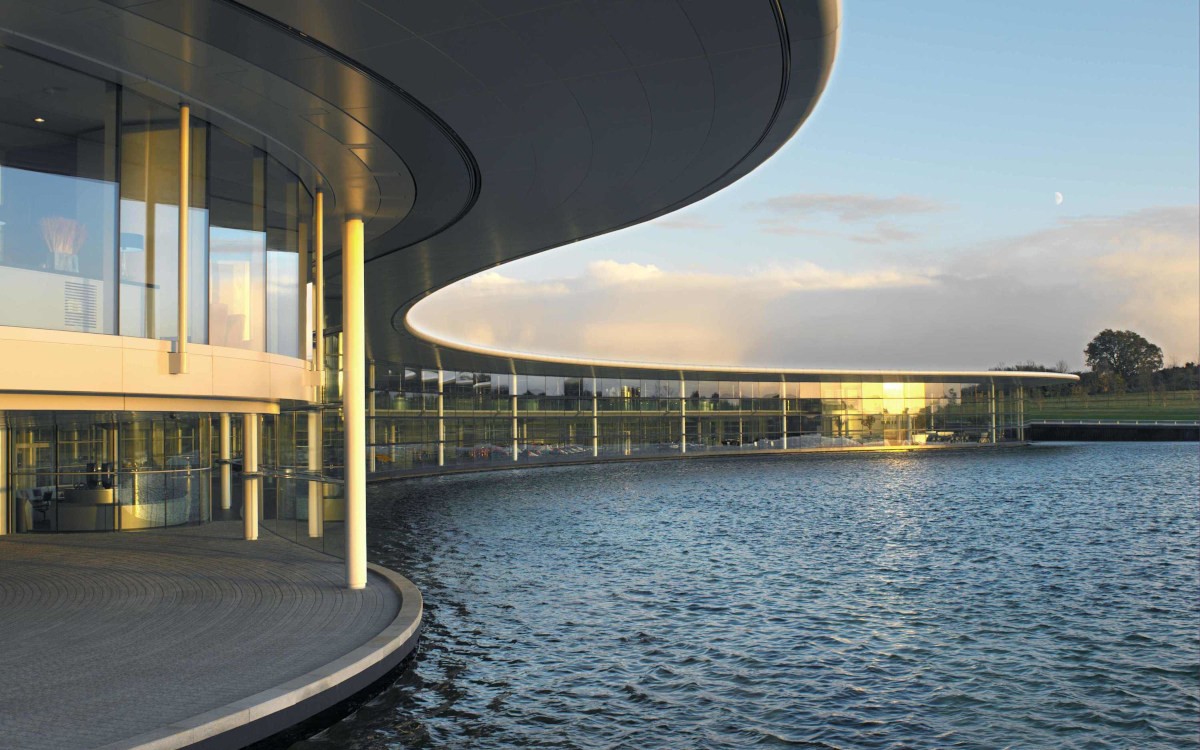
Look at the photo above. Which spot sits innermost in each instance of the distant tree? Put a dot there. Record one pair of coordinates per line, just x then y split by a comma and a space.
1122, 353
1030, 366
1184, 377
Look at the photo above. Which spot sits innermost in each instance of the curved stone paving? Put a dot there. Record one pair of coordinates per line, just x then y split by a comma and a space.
106, 636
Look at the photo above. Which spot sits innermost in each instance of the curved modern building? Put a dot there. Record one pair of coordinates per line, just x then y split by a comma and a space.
215, 217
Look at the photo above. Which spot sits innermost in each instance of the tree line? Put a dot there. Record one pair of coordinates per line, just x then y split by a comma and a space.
1118, 362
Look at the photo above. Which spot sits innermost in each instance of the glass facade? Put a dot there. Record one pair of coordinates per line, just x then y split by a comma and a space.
89, 218
149, 223
58, 197
106, 471
426, 420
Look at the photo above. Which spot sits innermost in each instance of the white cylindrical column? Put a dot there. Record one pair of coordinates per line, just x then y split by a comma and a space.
316, 494
595, 420
354, 411
783, 409
5, 505
441, 416
226, 452
1021, 413
250, 477
178, 358
318, 304
513, 395
992, 409
682, 416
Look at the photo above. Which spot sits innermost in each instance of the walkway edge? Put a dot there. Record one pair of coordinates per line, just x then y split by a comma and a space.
258, 716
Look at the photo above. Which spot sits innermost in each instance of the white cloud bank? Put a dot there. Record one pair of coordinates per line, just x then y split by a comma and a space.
1040, 296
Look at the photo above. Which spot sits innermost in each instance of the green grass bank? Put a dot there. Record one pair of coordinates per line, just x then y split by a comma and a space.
1172, 405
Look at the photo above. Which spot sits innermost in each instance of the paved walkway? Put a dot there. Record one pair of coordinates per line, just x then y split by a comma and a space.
106, 636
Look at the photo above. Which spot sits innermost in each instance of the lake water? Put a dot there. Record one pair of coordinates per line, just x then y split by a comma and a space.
1025, 598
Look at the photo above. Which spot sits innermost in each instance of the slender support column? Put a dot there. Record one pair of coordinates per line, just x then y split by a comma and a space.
316, 494
682, 416
1021, 413
113, 439
318, 304
250, 477
441, 411
5, 505
354, 402
226, 452
992, 408
178, 358
783, 415
371, 417
513, 395
595, 420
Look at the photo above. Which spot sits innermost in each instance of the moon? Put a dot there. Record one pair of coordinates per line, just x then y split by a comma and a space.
1058, 199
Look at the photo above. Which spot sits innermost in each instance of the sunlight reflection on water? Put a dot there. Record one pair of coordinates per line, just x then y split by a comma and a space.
1028, 598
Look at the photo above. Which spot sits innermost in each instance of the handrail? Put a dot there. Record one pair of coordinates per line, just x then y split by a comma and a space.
1118, 422
33, 471
276, 472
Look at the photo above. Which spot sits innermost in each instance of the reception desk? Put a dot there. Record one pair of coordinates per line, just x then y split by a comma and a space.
86, 509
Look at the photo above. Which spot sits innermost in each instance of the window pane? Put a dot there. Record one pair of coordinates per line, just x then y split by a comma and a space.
149, 242
287, 230
58, 196
237, 244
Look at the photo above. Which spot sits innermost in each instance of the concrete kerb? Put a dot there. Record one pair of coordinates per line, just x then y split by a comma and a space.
260, 715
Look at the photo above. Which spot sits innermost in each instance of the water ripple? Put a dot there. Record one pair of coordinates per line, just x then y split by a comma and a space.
1029, 598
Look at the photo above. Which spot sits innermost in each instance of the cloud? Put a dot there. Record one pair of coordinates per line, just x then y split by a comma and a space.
496, 283
811, 277
847, 207
1039, 296
677, 221
636, 311
1144, 267
789, 214
612, 273
794, 230
885, 232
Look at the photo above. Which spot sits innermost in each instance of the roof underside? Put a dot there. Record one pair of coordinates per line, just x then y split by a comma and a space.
573, 119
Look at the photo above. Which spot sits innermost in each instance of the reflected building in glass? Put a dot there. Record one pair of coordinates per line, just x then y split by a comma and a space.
209, 244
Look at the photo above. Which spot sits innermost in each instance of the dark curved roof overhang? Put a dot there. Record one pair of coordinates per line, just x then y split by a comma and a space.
573, 118
587, 117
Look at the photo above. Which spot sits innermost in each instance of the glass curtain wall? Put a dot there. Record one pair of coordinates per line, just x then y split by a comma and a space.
499, 419
89, 212
149, 219
289, 222
237, 244
106, 471
58, 196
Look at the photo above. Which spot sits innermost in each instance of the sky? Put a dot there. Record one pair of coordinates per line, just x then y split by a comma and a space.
912, 222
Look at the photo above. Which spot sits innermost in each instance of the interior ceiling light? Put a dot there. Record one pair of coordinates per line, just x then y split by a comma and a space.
39, 119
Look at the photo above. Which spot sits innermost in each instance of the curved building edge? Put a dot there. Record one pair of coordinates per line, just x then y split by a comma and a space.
539, 363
